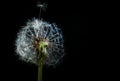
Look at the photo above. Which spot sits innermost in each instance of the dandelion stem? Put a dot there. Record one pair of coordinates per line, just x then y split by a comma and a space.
42, 55
40, 69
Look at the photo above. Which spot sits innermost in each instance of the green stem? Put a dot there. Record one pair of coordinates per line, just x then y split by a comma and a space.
40, 70
41, 58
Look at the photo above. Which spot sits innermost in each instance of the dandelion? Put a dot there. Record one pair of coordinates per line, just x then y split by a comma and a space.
41, 43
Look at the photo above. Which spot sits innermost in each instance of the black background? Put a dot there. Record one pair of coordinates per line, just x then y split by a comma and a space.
71, 17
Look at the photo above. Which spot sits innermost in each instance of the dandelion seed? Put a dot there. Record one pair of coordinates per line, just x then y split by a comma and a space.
42, 7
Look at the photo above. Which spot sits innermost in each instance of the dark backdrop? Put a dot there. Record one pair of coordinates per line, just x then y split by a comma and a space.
71, 17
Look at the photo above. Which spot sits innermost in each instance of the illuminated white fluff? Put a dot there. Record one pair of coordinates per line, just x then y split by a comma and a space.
38, 28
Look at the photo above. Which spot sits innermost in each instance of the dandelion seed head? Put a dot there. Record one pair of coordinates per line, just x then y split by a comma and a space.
35, 32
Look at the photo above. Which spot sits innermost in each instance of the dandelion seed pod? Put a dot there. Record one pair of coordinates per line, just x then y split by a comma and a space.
40, 32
